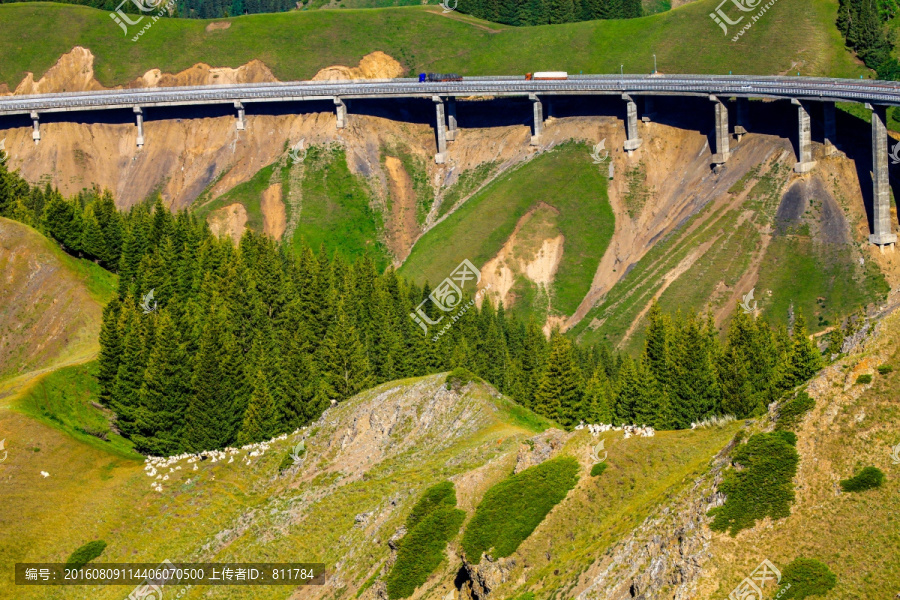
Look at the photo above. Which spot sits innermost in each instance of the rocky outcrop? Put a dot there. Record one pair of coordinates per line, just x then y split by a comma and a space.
666, 552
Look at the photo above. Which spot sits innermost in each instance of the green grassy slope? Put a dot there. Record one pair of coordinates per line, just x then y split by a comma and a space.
336, 208
564, 179
50, 302
855, 534
248, 194
240, 512
63, 398
796, 268
791, 36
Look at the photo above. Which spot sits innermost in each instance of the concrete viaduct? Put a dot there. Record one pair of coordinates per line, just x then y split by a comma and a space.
875, 95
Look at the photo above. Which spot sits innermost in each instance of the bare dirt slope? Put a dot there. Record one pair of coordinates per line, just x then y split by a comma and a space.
48, 316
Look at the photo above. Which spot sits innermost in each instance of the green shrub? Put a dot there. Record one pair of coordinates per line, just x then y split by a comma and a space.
86, 554
864, 378
524, 596
598, 469
513, 508
885, 369
433, 522
789, 436
459, 377
867, 479
437, 496
762, 488
791, 411
807, 577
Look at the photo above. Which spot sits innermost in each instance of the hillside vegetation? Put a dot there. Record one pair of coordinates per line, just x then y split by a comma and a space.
566, 181
51, 302
796, 37
368, 462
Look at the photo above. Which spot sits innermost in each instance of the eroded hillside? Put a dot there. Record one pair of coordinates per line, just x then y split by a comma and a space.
584, 253
51, 303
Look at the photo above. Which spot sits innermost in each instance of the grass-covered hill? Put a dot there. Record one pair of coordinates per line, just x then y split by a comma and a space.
50, 303
367, 462
790, 37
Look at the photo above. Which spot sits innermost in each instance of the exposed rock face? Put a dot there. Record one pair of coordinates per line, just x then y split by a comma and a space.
487, 575
539, 448
666, 552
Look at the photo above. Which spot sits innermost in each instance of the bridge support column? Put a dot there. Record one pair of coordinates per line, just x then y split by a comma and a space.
805, 162
36, 122
743, 118
341, 110
139, 116
722, 150
538, 107
451, 119
440, 130
240, 123
632, 140
881, 200
830, 128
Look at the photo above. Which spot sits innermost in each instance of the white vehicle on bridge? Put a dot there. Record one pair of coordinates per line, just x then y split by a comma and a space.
546, 75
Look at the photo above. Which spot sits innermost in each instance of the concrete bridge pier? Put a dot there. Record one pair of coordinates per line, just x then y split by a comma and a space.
538, 119
36, 133
341, 110
830, 128
241, 124
451, 119
139, 115
805, 162
721, 117
881, 197
440, 130
743, 118
632, 140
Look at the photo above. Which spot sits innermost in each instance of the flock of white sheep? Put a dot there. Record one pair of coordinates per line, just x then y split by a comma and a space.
156, 466
630, 430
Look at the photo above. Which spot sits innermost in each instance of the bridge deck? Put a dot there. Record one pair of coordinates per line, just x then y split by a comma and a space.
808, 88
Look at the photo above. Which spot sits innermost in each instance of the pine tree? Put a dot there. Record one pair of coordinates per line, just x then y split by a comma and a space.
345, 367
598, 399
561, 389
629, 393
164, 393
110, 350
738, 398
212, 396
695, 392
261, 419
125, 398
804, 359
